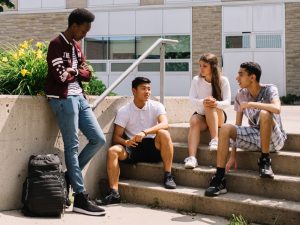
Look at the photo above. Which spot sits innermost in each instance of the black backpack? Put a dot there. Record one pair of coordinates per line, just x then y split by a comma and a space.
44, 190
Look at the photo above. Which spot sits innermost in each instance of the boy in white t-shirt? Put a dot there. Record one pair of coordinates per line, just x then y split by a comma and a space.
140, 135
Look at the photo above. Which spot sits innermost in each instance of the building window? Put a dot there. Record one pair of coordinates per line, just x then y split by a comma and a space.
149, 67
41, 4
96, 48
242, 41
177, 66
118, 53
268, 41
122, 48
98, 67
182, 50
119, 67
143, 43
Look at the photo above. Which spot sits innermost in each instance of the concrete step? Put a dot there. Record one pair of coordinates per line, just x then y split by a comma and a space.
253, 208
179, 133
283, 162
247, 182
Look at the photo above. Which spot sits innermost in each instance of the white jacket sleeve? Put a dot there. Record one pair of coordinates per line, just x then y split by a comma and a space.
196, 102
226, 95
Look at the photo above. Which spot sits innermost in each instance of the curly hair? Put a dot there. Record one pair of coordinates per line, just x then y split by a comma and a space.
80, 16
212, 60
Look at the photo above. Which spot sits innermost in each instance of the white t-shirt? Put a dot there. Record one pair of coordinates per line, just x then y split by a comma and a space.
201, 89
135, 120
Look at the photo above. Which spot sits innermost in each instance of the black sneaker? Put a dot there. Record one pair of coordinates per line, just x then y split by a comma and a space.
169, 182
109, 199
82, 204
68, 186
216, 187
265, 169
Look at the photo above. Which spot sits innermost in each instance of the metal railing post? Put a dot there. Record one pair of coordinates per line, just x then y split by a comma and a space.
162, 73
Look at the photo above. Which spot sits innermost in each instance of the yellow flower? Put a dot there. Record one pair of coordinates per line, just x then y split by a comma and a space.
39, 45
24, 45
39, 54
4, 59
15, 55
24, 72
21, 52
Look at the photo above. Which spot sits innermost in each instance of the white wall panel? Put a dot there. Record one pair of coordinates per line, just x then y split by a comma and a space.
54, 4
30, 4
231, 66
268, 18
149, 22
237, 19
272, 66
100, 24
122, 23
177, 21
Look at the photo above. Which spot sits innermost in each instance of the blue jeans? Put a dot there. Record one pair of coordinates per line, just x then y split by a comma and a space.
74, 113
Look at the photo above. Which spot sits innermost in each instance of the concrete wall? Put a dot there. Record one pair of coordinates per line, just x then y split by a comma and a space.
207, 33
27, 126
292, 42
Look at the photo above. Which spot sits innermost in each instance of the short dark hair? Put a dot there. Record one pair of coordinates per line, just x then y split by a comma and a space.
252, 68
140, 80
80, 16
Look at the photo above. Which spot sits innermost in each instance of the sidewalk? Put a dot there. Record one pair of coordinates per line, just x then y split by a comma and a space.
116, 215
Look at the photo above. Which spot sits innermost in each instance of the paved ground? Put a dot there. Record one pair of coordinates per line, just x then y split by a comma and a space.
121, 214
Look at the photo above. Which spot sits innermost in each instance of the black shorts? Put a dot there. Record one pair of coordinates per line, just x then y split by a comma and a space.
225, 115
144, 152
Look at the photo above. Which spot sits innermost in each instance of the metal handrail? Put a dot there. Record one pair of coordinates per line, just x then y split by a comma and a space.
159, 41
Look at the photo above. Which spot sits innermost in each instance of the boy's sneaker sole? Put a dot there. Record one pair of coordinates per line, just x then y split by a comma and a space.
82, 211
214, 194
189, 167
270, 176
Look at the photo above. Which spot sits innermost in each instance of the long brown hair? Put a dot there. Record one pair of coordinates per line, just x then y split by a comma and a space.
212, 60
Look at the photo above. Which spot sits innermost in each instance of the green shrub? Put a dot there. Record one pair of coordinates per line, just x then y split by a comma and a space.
289, 99
23, 70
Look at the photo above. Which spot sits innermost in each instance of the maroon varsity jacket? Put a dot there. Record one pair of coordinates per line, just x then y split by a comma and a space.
59, 58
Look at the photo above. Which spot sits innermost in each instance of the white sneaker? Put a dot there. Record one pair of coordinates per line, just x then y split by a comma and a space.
213, 145
190, 162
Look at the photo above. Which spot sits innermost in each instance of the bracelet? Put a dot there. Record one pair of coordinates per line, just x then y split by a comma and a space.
144, 132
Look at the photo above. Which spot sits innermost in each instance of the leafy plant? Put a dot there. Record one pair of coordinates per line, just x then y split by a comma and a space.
238, 220
7, 3
289, 99
94, 87
23, 70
